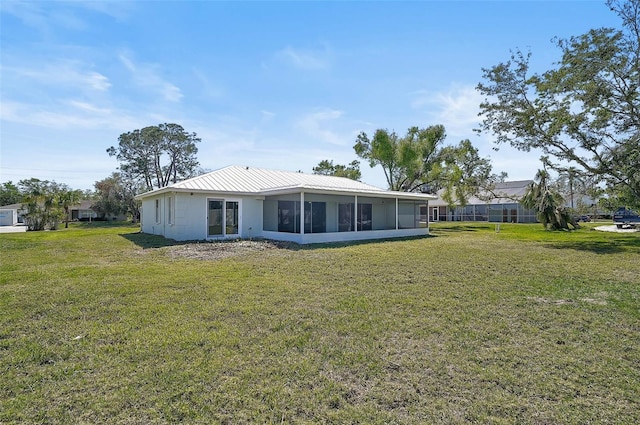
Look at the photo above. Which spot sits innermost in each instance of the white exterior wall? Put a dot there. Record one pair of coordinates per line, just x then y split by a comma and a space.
251, 217
189, 216
8, 217
345, 236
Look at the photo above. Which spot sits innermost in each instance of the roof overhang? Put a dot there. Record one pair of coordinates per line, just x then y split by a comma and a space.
287, 190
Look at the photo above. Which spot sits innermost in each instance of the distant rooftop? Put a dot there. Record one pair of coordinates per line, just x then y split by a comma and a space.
503, 193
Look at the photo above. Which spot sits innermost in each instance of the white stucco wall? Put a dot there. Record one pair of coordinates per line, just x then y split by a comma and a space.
189, 221
308, 238
8, 217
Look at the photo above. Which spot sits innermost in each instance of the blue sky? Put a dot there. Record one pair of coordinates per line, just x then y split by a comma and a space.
279, 85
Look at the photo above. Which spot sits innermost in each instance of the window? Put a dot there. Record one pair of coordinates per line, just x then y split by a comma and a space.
289, 216
215, 218
223, 218
231, 221
345, 217
315, 217
157, 210
170, 210
364, 217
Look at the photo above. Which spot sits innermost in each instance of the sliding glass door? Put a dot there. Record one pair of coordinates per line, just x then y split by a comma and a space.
223, 218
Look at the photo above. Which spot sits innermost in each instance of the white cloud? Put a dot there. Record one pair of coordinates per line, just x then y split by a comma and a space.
315, 125
306, 59
61, 73
208, 89
46, 16
147, 76
69, 114
457, 109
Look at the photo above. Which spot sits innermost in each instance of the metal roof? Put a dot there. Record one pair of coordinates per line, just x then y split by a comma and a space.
261, 181
503, 193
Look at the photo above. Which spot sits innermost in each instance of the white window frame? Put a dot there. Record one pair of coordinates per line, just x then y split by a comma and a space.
224, 208
157, 210
171, 210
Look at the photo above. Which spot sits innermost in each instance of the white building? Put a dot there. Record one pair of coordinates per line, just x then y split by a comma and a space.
501, 205
8, 216
244, 202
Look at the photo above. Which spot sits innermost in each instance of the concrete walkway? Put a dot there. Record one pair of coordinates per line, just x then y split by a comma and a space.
13, 229
613, 228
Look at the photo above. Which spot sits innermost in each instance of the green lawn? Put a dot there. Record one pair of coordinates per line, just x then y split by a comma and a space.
100, 324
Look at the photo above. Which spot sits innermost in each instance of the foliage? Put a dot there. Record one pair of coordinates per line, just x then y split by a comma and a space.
464, 173
548, 203
41, 202
376, 333
584, 113
327, 168
67, 198
9, 194
419, 162
158, 155
116, 195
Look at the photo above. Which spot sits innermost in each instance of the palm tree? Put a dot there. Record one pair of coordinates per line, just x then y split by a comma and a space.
547, 203
68, 198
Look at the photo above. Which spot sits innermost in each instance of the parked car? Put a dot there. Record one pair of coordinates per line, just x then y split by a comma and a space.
625, 217
584, 218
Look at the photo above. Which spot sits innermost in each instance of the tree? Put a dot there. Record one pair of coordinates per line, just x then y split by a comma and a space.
404, 160
548, 203
327, 168
584, 113
66, 199
9, 194
463, 173
116, 195
419, 162
571, 182
41, 203
158, 155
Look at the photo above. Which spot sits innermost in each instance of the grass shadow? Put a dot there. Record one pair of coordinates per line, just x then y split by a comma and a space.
459, 228
147, 241
610, 246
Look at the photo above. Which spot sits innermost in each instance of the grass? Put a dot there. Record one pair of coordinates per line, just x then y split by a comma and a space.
99, 324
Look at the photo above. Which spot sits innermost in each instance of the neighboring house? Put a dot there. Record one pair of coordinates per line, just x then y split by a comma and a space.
12, 214
500, 206
84, 212
8, 217
247, 202
81, 212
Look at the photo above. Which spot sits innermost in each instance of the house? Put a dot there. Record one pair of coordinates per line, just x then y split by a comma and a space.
501, 205
8, 216
247, 202
12, 214
83, 211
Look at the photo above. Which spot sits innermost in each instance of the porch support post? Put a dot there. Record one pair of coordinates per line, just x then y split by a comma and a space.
397, 217
355, 214
302, 213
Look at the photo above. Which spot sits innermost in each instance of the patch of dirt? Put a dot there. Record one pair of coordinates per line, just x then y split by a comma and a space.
217, 250
598, 301
614, 228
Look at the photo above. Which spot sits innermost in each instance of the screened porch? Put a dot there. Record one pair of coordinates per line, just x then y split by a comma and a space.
331, 217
